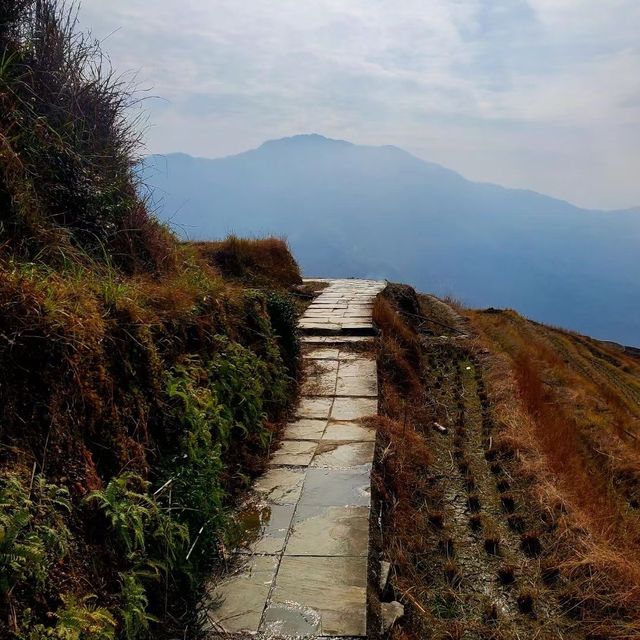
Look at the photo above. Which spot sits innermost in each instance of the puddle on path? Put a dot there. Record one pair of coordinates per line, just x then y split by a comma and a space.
262, 528
290, 620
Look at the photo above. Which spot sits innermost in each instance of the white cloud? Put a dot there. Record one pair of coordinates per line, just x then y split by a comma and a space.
502, 80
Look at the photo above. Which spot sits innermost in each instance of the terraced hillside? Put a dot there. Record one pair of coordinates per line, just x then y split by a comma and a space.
507, 475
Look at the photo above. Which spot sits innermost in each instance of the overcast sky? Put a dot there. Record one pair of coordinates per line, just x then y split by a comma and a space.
543, 94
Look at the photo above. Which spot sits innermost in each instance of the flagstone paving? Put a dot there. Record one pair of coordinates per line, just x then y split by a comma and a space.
301, 568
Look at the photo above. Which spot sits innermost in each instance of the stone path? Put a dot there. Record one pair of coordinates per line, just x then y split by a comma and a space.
302, 569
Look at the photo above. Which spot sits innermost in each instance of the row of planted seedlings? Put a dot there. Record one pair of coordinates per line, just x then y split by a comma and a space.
467, 446
448, 604
466, 570
494, 543
490, 503
525, 528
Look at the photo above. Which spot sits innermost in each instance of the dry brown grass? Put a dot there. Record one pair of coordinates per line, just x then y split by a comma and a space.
84, 357
399, 353
437, 496
562, 404
401, 486
390, 323
267, 260
77, 347
401, 480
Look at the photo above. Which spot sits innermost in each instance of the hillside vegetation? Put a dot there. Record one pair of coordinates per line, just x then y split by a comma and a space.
508, 475
141, 381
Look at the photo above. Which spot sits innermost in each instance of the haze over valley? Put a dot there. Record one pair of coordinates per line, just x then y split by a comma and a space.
364, 211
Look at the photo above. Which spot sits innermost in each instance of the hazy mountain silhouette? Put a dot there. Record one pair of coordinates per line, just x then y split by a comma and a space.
352, 210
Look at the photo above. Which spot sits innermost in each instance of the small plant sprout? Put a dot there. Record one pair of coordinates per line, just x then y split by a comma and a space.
492, 542
526, 601
531, 543
507, 574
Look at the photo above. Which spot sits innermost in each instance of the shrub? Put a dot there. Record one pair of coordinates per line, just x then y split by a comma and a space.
240, 381
261, 261
214, 404
259, 337
196, 470
284, 320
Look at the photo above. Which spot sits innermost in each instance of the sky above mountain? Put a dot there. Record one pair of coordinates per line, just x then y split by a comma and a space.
543, 94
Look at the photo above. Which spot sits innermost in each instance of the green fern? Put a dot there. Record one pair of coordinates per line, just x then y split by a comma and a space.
143, 529
80, 620
33, 532
77, 619
135, 618
127, 510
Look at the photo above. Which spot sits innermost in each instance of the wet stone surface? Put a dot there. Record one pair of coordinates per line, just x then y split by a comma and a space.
353, 408
280, 486
330, 340
310, 407
321, 378
305, 429
237, 604
334, 587
295, 453
300, 562
319, 530
264, 527
342, 455
348, 431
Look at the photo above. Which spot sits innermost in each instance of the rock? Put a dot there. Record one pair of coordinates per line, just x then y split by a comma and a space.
390, 613
438, 427
385, 567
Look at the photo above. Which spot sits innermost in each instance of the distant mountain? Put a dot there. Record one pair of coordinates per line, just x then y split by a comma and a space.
362, 211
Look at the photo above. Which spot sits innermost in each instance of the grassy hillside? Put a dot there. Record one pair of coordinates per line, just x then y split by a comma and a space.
141, 383
574, 431
507, 475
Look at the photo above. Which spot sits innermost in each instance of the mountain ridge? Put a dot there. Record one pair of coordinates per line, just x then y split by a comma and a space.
274, 142
381, 212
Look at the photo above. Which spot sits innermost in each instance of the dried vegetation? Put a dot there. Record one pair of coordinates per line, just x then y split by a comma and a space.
140, 385
569, 414
506, 476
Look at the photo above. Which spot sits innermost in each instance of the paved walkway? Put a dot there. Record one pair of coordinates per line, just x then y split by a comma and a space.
302, 569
